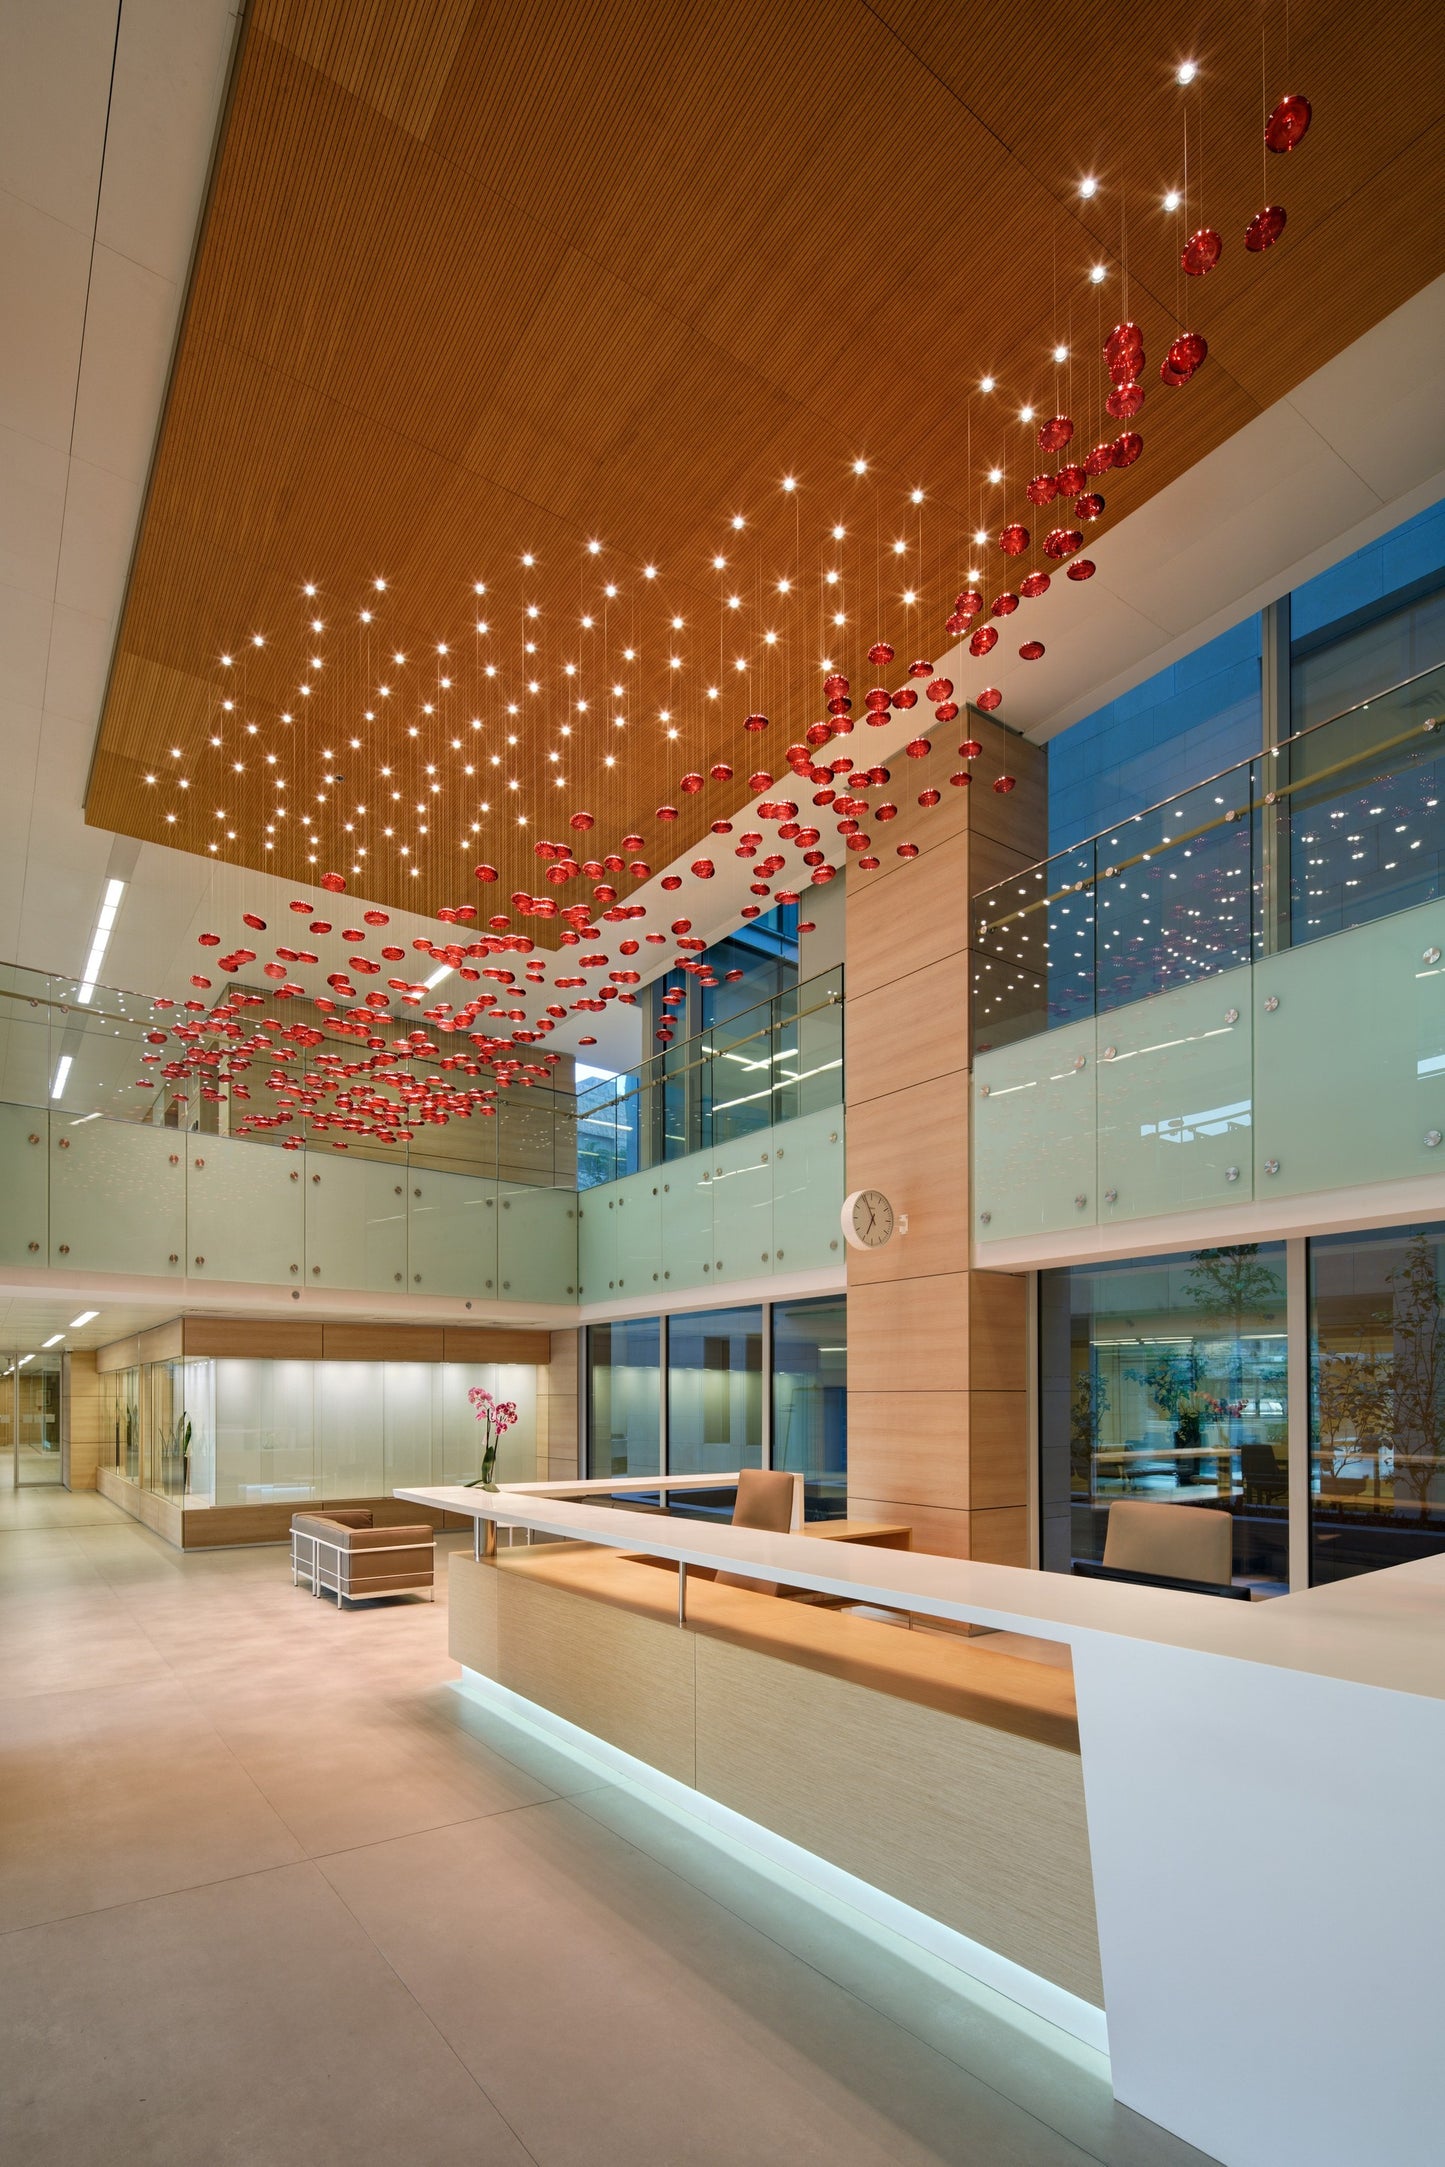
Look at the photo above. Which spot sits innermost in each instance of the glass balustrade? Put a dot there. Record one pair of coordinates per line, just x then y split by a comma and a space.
108, 1165
1338, 826
776, 1062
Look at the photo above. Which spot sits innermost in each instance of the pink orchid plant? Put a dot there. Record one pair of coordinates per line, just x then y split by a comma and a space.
497, 1417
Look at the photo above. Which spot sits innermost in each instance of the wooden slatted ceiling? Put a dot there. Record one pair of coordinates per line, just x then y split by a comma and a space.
481, 279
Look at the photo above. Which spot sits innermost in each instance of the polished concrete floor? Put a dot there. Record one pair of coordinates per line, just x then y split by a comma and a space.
270, 1892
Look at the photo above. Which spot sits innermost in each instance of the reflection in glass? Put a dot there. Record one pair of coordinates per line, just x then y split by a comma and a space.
714, 1391
30, 1417
624, 1397
1165, 1378
810, 1400
1377, 1400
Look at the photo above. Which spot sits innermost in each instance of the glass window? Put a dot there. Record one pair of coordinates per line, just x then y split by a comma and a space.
810, 1400
624, 1397
1377, 1400
714, 1391
1327, 679
1165, 1378
1201, 714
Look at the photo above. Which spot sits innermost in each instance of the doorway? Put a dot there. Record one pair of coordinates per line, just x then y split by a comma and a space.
30, 1418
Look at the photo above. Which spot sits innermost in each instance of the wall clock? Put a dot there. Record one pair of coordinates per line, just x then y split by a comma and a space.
868, 1219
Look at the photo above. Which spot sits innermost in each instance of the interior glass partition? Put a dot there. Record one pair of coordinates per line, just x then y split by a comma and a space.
30, 1419
715, 1391
1165, 1378
624, 1397
1377, 1399
810, 1400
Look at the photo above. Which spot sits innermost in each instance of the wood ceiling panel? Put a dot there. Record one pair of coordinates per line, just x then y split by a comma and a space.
482, 279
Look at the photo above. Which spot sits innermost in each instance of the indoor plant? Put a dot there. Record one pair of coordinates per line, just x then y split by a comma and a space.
496, 1417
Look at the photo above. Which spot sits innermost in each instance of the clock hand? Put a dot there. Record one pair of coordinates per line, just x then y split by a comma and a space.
869, 1228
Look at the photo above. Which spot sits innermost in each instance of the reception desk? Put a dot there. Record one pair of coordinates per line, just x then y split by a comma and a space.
1192, 1827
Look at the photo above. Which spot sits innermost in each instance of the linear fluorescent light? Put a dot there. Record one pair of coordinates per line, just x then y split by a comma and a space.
109, 906
62, 1072
437, 977
23, 1360
87, 1316
53, 1341
81, 1119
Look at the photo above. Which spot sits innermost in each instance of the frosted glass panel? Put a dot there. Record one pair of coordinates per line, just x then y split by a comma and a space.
1351, 1060
24, 1185
1175, 1091
639, 1232
244, 1211
742, 1207
808, 1187
597, 1243
687, 1250
356, 1225
1033, 1134
117, 1204
407, 1389
537, 1235
350, 1429
453, 1234
264, 1433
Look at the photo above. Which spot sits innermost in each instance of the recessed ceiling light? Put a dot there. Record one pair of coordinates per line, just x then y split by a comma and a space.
87, 1316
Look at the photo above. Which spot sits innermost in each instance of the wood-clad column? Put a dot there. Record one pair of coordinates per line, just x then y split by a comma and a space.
557, 1446
82, 1416
937, 1385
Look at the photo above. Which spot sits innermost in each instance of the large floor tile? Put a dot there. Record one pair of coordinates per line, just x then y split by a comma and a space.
1062, 2082
350, 1768
118, 1793
689, 2036
242, 2025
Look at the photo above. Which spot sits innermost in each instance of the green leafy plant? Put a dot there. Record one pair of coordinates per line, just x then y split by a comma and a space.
1417, 1370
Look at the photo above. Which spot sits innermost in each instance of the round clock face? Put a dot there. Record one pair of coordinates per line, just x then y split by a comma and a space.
867, 1219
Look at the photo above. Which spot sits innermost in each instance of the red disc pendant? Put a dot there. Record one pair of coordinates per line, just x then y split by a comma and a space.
1201, 252
1265, 228
1288, 123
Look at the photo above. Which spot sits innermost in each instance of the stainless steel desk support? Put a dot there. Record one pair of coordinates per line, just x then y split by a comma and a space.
484, 1539
681, 1593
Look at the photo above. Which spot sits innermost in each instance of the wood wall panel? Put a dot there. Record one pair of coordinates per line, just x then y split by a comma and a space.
906, 1335
908, 1030
984, 1830
82, 1419
624, 1677
914, 1143
278, 1339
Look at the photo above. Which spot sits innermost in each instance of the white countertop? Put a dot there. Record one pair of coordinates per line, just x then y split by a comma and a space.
1384, 1629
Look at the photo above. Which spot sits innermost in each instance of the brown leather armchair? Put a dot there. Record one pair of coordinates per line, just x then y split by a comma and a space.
342, 1551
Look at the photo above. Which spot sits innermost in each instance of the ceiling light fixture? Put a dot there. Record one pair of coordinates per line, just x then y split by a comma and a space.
110, 905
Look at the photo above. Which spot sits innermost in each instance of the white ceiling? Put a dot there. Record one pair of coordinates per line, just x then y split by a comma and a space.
28, 1320
107, 123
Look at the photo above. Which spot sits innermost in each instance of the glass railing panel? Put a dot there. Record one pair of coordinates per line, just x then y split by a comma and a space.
1175, 892
1033, 940
1361, 807
1334, 828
